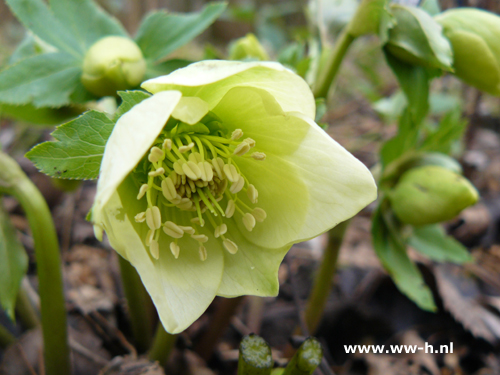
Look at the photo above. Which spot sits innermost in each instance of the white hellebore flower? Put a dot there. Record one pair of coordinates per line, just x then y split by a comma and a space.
205, 185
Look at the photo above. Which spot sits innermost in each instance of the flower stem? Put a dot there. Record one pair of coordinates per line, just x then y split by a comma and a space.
327, 76
26, 311
139, 306
53, 310
163, 344
6, 338
323, 281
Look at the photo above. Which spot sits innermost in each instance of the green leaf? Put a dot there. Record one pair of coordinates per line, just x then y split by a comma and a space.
451, 128
391, 251
87, 21
39, 116
45, 80
164, 68
406, 139
36, 16
162, 33
13, 264
431, 6
78, 149
129, 99
27, 48
414, 82
366, 20
433, 242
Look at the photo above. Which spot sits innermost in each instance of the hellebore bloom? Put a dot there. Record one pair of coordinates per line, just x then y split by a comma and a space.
205, 185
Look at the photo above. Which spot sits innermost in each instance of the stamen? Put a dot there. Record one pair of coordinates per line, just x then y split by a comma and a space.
252, 194
195, 220
191, 170
175, 249
218, 165
167, 144
140, 217
153, 218
156, 173
187, 229
231, 172
249, 141
241, 149
172, 229
230, 246
237, 134
258, 156
168, 189
249, 221
154, 249
259, 214
156, 155
231, 207
185, 204
237, 186
220, 230
149, 237
178, 167
203, 253
186, 148
195, 157
143, 189
199, 237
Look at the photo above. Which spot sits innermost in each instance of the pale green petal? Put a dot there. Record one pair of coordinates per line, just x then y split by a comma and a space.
182, 288
210, 80
308, 182
190, 110
132, 136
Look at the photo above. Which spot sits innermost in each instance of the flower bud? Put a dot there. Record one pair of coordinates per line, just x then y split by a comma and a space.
431, 194
111, 64
474, 36
247, 47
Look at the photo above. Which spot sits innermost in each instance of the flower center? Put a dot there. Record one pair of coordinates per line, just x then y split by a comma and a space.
192, 168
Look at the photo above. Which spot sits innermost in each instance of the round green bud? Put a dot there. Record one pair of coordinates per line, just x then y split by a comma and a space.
474, 36
247, 47
111, 64
431, 194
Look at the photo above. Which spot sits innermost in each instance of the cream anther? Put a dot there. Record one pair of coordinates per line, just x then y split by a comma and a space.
175, 249
167, 144
172, 229
178, 167
236, 134
259, 214
230, 246
142, 190
218, 165
231, 207
195, 220
157, 173
149, 237
191, 170
185, 204
154, 249
249, 141
252, 193
199, 237
187, 229
140, 217
241, 149
208, 171
220, 230
237, 186
249, 221
231, 172
195, 157
168, 189
258, 156
186, 148
203, 253
155, 155
153, 218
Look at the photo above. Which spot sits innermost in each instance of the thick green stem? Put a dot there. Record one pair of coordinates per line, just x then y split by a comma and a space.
25, 311
323, 281
6, 338
50, 286
327, 76
140, 307
163, 344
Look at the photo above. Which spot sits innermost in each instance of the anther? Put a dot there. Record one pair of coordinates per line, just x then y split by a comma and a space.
241, 149
191, 170
185, 204
259, 214
237, 186
220, 230
154, 249
143, 189
187, 229
175, 249
140, 217
167, 144
149, 237
197, 221
178, 167
231, 207
155, 155
172, 229
156, 173
153, 218
186, 148
258, 156
199, 237
252, 193
203, 253
236, 134
249, 141
218, 164
195, 157
249, 221
168, 189
208, 171
230, 246
231, 172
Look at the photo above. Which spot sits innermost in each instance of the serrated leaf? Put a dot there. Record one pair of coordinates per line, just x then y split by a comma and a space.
162, 33
38, 116
27, 48
451, 128
391, 251
13, 264
86, 20
45, 80
433, 242
164, 68
406, 139
78, 149
129, 99
36, 16
431, 6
